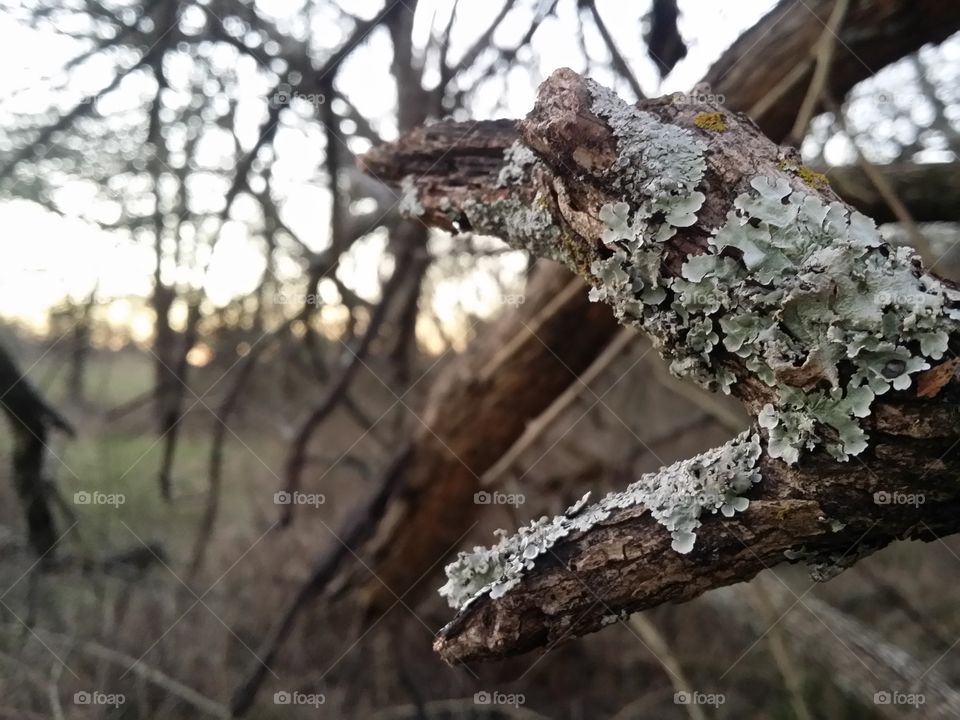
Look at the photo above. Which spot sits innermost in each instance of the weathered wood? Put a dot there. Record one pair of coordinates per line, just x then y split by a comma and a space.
819, 508
461, 159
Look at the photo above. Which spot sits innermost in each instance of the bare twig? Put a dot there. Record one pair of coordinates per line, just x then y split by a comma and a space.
824, 54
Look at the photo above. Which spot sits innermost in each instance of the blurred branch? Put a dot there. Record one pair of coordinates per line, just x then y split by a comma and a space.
617, 59
221, 427
31, 420
926, 192
773, 58
659, 646
337, 389
483, 41
347, 539
155, 677
858, 660
545, 420
818, 82
884, 188
665, 45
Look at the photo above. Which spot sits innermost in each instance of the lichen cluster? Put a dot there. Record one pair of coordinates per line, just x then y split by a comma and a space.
796, 292
677, 496
518, 159
800, 293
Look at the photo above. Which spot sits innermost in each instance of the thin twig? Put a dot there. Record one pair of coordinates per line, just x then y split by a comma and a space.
657, 644
825, 49
535, 429
150, 674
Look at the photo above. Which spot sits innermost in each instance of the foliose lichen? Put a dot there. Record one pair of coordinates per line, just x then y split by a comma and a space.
677, 496
410, 204
517, 161
801, 292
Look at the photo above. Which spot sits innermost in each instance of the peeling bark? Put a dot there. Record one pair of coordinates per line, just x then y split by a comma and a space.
558, 202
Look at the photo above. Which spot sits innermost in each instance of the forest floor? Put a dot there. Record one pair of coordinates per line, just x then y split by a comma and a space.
58, 628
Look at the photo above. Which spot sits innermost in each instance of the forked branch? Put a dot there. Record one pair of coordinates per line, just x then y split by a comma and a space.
752, 277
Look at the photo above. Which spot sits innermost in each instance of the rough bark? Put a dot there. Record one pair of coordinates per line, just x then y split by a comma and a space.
461, 158
818, 508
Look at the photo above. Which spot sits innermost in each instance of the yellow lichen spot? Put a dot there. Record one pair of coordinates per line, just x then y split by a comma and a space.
810, 176
813, 178
710, 121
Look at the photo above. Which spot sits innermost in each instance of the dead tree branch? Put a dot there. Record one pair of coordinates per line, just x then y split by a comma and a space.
31, 420
684, 216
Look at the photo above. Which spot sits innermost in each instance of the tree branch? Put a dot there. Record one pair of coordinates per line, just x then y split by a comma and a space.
752, 277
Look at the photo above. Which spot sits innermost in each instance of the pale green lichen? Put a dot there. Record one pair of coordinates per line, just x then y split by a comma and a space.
657, 169
518, 160
803, 293
677, 496
526, 226
410, 204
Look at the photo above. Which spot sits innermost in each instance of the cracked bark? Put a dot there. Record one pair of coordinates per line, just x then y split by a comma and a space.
461, 158
625, 563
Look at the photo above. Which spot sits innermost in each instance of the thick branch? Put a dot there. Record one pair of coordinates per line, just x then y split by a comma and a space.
695, 228
823, 513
